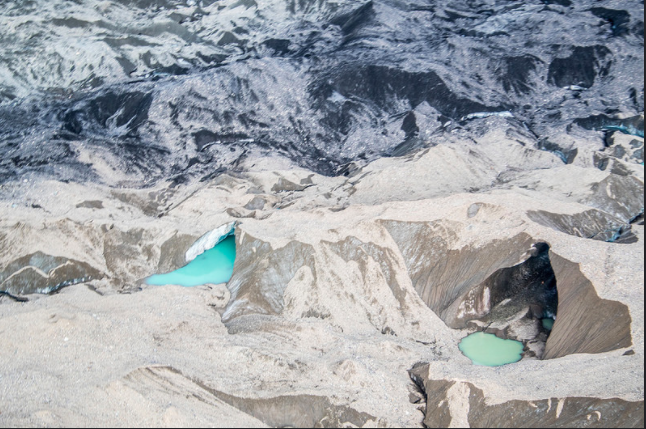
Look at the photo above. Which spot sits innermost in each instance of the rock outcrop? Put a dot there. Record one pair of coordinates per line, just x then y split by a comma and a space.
261, 276
41, 273
593, 224
585, 323
303, 411
456, 403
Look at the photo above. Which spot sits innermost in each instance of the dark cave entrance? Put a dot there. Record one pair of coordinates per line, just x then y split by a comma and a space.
522, 302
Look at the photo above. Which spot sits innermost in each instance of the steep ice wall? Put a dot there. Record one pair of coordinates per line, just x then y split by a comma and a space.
585, 323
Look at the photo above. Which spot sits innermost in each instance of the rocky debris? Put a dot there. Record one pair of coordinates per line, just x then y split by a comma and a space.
303, 81
306, 411
261, 276
403, 173
302, 411
160, 386
621, 154
150, 203
619, 196
627, 148
523, 326
452, 403
173, 252
300, 281
41, 273
257, 203
128, 255
593, 224
284, 185
90, 205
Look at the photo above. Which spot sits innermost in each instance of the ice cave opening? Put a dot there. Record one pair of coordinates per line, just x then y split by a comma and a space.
210, 261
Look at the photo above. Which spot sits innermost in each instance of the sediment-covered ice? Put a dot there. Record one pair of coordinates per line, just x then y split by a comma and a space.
399, 174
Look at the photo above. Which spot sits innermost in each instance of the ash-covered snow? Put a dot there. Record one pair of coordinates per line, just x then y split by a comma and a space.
183, 90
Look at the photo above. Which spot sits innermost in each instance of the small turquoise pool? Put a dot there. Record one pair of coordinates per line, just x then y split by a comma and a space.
548, 323
488, 350
214, 266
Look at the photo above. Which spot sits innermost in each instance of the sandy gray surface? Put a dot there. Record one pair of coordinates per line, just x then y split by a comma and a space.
117, 352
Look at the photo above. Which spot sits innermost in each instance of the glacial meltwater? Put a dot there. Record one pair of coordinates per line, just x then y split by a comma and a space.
489, 350
548, 323
214, 266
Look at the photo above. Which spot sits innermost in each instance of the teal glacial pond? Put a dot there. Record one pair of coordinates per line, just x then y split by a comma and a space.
489, 350
213, 266
548, 323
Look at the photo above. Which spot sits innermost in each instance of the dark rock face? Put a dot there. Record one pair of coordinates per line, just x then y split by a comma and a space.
261, 275
41, 273
568, 155
489, 285
633, 125
579, 69
507, 291
93, 205
619, 196
128, 255
284, 185
436, 398
625, 149
444, 278
539, 413
619, 20
518, 74
110, 111
312, 81
300, 411
593, 224
173, 252
583, 325
386, 87
258, 203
